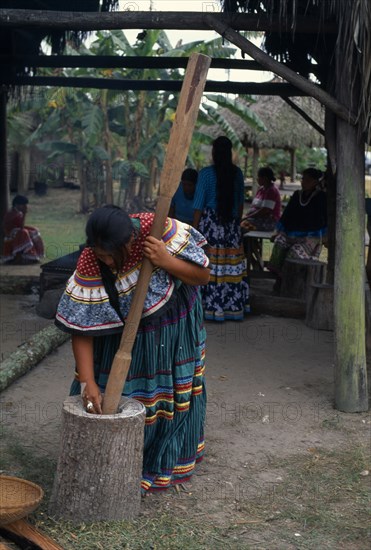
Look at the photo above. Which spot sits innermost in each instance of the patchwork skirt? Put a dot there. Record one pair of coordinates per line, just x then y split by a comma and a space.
166, 375
226, 296
299, 248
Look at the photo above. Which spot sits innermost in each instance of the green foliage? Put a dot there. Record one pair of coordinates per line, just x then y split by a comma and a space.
92, 124
239, 109
92, 128
279, 160
224, 125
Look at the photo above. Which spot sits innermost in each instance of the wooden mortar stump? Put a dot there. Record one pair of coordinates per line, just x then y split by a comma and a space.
100, 464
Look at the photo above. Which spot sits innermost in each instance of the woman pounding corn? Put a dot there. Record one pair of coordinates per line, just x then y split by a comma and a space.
167, 368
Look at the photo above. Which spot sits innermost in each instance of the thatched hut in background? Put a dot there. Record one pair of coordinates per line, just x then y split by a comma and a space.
286, 128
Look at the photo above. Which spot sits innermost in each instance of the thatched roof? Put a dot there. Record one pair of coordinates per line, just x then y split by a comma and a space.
353, 41
285, 127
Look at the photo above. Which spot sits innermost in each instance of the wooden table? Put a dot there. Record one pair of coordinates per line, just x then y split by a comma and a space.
253, 245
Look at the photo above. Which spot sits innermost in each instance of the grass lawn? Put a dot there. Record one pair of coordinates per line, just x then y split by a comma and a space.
57, 217
323, 503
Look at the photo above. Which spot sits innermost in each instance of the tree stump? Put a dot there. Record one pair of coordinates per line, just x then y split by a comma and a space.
100, 466
297, 275
320, 306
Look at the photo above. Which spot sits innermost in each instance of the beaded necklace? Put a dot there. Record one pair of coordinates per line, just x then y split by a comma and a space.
304, 203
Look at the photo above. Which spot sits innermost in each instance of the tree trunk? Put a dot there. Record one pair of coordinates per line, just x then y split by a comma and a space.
349, 284
107, 146
293, 165
255, 167
152, 182
23, 170
84, 199
100, 466
29, 354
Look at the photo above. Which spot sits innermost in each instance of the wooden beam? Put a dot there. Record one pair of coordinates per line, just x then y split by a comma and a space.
116, 61
241, 88
291, 76
90, 21
304, 115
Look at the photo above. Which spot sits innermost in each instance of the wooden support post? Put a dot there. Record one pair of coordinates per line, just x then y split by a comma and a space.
100, 465
349, 282
4, 188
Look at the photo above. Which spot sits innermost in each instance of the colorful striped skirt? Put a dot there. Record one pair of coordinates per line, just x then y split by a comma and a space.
167, 376
226, 296
300, 248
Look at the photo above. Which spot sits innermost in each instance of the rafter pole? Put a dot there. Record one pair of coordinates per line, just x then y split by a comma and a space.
129, 62
278, 68
304, 115
118, 61
242, 88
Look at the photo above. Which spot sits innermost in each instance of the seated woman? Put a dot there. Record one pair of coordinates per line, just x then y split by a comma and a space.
302, 226
265, 210
22, 243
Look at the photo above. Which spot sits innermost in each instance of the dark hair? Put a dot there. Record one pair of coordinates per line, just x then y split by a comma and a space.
266, 172
225, 176
313, 173
190, 174
19, 199
110, 228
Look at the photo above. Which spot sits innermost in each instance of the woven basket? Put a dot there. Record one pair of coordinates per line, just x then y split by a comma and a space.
18, 498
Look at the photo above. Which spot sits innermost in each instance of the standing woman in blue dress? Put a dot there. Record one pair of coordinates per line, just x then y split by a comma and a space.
218, 206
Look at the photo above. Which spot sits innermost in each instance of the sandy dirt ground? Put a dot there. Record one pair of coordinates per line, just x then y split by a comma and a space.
270, 397
270, 392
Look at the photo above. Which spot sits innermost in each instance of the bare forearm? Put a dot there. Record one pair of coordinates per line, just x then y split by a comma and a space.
189, 273
82, 347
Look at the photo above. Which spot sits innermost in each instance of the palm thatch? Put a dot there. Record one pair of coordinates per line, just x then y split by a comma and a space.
352, 43
286, 129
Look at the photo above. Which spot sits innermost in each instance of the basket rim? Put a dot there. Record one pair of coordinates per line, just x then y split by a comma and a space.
20, 481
